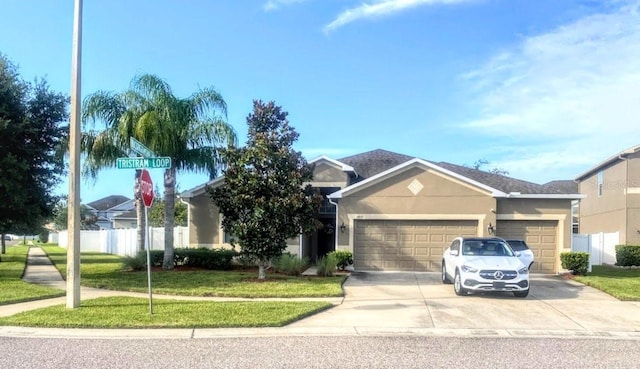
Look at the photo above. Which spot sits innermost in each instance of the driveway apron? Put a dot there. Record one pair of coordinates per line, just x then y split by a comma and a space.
420, 300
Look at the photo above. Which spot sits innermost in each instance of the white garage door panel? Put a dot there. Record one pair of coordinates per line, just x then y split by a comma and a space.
413, 245
540, 235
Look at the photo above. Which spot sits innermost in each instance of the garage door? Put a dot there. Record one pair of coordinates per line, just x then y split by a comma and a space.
540, 235
411, 245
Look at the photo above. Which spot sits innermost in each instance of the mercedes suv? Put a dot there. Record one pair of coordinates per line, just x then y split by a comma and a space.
477, 264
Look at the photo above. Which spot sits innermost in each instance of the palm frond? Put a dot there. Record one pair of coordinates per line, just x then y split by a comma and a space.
102, 106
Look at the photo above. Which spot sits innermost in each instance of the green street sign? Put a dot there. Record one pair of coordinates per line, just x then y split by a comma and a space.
162, 162
137, 147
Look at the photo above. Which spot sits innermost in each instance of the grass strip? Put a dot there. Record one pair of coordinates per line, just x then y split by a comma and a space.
131, 312
106, 271
621, 283
14, 290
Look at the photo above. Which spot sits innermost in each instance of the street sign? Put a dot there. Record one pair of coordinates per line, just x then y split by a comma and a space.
146, 188
161, 162
139, 148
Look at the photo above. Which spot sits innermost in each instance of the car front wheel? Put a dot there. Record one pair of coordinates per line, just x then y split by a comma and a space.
445, 279
457, 285
521, 293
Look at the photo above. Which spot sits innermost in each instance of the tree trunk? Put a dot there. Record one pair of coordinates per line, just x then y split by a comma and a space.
141, 224
262, 269
169, 216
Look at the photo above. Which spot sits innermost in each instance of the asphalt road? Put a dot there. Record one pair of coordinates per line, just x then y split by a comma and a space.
320, 352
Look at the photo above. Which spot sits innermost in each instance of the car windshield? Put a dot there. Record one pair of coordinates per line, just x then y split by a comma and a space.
518, 245
486, 248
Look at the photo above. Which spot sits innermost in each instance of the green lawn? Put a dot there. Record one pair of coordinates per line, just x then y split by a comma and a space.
105, 271
129, 312
621, 283
13, 289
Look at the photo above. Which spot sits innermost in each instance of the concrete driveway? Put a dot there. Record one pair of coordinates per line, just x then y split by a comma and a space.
393, 301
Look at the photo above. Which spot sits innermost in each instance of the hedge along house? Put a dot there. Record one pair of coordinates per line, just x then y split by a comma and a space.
396, 212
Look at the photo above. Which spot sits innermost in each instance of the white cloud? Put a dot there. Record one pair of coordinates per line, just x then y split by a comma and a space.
567, 99
275, 4
380, 8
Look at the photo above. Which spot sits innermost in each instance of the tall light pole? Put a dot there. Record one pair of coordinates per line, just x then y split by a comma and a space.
73, 201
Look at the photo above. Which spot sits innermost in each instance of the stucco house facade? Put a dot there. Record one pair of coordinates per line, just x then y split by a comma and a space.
611, 192
397, 212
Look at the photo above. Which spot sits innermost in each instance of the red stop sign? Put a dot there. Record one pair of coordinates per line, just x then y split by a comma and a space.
146, 188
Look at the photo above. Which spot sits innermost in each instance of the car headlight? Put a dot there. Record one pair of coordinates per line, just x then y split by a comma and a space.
468, 269
524, 270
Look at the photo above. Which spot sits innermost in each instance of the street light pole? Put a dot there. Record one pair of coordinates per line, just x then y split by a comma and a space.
73, 202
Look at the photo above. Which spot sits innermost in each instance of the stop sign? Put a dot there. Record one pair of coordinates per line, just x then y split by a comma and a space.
146, 188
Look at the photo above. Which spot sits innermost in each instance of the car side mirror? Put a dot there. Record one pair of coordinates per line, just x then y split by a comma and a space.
453, 252
517, 253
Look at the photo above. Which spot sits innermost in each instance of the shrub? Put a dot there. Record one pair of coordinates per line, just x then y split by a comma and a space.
291, 264
157, 256
213, 259
627, 255
326, 265
576, 262
135, 263
43, 236
344, 258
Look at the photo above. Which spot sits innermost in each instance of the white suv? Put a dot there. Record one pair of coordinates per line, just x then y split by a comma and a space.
477, 264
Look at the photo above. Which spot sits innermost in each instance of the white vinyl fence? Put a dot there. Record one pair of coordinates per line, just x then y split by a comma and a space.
600, 246
121, 241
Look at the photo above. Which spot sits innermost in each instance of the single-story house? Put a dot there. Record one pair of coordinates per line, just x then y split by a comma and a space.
397, 212
611, 191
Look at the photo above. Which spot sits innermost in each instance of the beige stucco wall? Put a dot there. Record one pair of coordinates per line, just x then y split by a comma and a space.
607, 213
441, 198
326, 175
204, 222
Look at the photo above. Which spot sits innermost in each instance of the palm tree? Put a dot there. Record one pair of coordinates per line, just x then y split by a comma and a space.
189, 130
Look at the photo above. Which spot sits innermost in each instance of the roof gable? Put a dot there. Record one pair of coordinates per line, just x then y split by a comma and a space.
199, 190
411, 164
332, 162
609, 161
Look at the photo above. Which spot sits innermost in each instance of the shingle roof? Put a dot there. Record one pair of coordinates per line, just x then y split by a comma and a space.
108, 202
563, 186
498, 181
373, 162
377, 161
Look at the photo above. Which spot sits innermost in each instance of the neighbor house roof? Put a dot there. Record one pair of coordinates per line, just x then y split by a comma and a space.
609, 161
108, 202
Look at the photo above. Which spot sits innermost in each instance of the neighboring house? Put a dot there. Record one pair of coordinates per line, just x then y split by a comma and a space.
612, 197
109, 207
128, 219
397, 212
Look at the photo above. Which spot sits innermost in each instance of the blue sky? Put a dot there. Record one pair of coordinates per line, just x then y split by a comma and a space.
544, 89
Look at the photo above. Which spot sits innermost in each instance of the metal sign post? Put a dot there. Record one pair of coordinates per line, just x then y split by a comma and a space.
148, 247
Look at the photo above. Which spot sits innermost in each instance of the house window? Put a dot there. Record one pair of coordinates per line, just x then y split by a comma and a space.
600, 183
228, 237
326, 207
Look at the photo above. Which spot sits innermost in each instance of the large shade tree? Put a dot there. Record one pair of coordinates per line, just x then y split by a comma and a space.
189, 130
266, 197
32, 129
